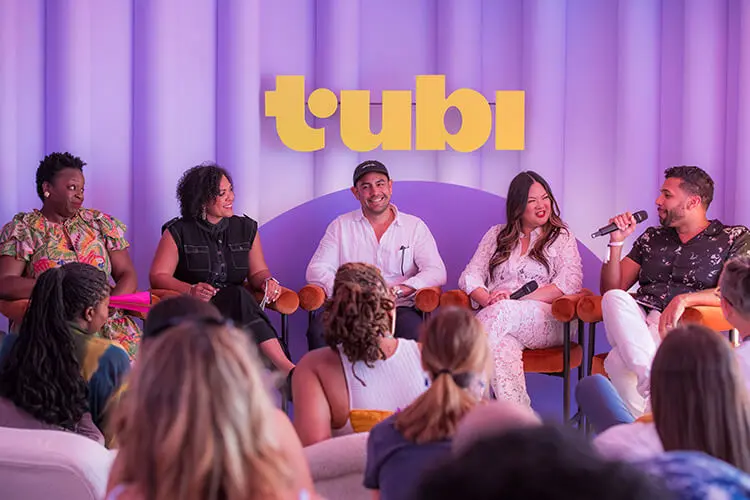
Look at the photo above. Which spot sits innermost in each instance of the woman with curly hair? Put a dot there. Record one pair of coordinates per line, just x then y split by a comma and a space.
210, 253
54, 374
198, 423
535, 244
63, 231
364, 367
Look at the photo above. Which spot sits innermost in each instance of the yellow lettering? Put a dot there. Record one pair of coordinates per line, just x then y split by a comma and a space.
510, 120
476, 116
287, 104
395, 132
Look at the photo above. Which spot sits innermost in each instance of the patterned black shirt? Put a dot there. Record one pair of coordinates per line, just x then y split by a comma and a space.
670, 267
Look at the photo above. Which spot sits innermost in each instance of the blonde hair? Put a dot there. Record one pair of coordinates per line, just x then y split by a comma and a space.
454, 353
197, 421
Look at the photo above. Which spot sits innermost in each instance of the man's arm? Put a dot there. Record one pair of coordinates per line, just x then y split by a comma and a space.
431, 269
618, 273
676, 307
325, 261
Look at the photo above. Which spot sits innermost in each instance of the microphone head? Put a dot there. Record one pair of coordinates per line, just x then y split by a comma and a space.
640, 216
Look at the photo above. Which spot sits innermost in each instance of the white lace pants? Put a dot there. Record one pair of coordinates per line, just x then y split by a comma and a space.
512, 326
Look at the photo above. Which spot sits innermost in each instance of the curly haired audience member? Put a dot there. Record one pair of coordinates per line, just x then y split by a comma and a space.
199, 424
456, 357
54, 374
364, 367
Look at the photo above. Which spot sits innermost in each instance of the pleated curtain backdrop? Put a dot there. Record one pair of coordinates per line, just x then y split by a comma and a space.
616, 91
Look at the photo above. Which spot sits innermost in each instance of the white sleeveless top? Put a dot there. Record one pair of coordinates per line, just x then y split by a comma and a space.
390, 385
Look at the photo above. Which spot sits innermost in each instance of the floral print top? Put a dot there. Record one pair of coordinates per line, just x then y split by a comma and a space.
670, 267
87, 237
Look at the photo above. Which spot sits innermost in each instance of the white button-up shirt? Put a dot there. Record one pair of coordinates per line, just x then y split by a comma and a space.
406, 254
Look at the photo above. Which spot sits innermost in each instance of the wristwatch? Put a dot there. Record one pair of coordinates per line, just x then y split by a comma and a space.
398, 292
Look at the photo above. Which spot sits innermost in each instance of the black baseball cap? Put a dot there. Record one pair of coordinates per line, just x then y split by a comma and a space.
369, 166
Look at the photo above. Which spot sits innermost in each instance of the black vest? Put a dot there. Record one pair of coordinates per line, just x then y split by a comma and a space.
216, 254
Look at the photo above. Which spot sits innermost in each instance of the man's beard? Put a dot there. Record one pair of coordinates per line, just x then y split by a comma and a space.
671, 217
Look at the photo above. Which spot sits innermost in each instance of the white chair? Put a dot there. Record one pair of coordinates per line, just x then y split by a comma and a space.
42, 464
337, 466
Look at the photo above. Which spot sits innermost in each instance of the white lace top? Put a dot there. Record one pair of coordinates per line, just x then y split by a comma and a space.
566, 271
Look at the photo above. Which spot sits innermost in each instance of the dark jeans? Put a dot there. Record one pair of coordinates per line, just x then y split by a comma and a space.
599, 401
238, 304
408, 321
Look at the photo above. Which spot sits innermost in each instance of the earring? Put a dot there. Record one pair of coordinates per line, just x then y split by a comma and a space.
203, 213
46, 194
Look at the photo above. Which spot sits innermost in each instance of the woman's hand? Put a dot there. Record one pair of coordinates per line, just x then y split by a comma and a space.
272, 289
497, 296
203, 291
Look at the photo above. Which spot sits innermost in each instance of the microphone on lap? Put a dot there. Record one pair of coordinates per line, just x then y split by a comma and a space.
524, 290
638, 216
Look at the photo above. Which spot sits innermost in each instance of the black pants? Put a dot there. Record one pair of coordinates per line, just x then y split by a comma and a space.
408, 321
237, 303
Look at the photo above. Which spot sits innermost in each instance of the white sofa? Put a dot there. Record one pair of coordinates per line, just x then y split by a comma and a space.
337, 466
43, 465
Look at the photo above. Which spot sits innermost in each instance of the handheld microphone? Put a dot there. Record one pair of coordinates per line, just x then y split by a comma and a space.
524, 290
638, 216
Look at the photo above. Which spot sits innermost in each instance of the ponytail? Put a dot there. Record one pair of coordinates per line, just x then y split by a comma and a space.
42, 372
454, 353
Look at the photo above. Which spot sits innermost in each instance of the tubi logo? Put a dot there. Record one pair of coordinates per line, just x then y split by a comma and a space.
287, 104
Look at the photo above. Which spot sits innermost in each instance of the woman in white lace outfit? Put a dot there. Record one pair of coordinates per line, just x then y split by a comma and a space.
535, 244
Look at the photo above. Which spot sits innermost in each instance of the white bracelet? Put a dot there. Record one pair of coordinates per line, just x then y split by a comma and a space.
270, 278
612, 244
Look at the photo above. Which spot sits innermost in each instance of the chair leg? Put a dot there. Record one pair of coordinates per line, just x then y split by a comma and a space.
566, 371
590, 354
581, 367
734, 337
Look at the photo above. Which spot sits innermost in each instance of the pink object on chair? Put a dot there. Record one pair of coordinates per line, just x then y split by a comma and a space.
39, 465
138, 302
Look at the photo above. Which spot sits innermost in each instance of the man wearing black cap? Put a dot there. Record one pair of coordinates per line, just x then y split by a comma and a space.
400, 245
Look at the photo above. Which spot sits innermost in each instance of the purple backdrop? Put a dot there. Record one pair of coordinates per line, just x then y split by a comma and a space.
616, 91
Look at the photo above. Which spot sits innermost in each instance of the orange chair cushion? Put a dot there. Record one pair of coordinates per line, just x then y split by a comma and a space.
597, 364
427, 299
645, 419
589, 308
564, 308
709, 316
364, 420
311, 297
550, 360
455, 298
